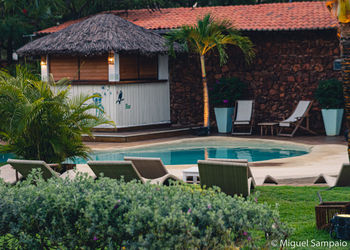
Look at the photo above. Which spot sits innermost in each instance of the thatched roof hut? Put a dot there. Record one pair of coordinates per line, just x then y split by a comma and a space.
98, 35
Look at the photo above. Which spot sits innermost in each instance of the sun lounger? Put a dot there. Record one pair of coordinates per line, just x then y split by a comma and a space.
243, 116
295, 120
151, 168
117, 169
231, 177
267, 180
24, 167
343, 179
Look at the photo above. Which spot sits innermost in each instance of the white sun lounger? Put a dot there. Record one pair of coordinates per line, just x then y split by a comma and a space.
243, 116
24, 167
343, 179
268, 179
299, 114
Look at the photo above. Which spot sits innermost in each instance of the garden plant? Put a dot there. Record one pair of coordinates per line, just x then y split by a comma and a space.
111, 214
226, 91
202, 38
39, 120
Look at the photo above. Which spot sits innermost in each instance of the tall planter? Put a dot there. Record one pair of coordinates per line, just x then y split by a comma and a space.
224, 119
332, 119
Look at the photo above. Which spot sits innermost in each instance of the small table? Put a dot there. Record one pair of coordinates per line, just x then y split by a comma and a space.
264, 126
191, 172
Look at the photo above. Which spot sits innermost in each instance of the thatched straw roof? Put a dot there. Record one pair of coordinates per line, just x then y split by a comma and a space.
99, 34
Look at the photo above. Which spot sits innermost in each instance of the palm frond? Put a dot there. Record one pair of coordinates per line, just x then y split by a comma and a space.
208, 34
39, 121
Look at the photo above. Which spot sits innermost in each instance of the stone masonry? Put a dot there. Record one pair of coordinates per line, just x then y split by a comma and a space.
286, 69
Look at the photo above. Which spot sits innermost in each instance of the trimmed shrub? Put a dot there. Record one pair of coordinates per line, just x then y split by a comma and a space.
329, 94
110, 214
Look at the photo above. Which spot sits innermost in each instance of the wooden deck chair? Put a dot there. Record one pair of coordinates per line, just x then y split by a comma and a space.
243, 117
151, 168
231, 177
299, 114
117, 169
343, 179
268, 179
24, 167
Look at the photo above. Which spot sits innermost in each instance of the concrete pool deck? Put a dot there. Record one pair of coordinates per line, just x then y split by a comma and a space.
326, 156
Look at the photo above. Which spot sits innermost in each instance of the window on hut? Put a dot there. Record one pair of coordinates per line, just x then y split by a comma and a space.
64, 67
132, 67
135, 67
93, 68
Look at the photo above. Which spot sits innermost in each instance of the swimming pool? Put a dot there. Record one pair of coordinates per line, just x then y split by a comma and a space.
189, 151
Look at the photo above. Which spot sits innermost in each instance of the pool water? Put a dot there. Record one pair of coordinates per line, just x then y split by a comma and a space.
191, 150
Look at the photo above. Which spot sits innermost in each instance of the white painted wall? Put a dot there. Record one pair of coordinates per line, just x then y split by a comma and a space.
113, 70
45, 74
141, 103
163, 67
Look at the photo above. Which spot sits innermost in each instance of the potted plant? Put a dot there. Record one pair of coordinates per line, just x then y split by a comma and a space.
329, 95
223, 96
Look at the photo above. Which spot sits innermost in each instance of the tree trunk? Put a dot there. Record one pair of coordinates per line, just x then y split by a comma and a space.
205, 95
345, 55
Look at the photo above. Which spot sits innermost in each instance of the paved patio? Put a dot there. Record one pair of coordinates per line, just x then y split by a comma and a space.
326, 156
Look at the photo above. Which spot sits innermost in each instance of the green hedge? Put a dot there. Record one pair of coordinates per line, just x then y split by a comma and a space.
110, 214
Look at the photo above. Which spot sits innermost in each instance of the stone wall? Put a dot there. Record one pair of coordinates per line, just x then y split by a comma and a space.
286, 69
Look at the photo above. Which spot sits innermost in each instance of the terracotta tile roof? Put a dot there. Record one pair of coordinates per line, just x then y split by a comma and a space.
275, 16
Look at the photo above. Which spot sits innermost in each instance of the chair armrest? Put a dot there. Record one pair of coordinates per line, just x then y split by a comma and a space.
53, 165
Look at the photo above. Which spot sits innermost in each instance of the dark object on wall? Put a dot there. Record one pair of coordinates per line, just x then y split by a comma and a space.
326, 210
340, 227
337, 64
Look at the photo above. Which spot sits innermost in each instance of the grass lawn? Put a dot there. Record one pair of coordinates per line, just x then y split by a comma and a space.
297, 209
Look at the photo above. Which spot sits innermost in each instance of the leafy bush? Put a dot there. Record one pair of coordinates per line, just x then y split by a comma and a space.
39, 121
83, 213
226, 91
329, 94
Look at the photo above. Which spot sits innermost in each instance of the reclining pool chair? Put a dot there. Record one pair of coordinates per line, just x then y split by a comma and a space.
151, 168
24, 167
299, 114
231, 177
268, 179
343, 179
243, 117
117, 169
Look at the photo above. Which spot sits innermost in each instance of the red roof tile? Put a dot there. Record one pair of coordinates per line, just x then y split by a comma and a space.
275, 16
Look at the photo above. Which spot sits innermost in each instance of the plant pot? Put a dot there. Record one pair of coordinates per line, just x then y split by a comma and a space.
332, 119
224, 119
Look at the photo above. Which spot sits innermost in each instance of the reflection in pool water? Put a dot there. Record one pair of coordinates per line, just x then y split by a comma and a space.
189, 152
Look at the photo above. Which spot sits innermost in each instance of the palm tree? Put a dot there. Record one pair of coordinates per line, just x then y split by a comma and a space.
341, 9
38, 121
203, 37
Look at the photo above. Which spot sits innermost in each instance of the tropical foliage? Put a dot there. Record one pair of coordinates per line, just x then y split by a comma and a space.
108, 214
206, 35
329, 94
39, 121
340, 9
226, 91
